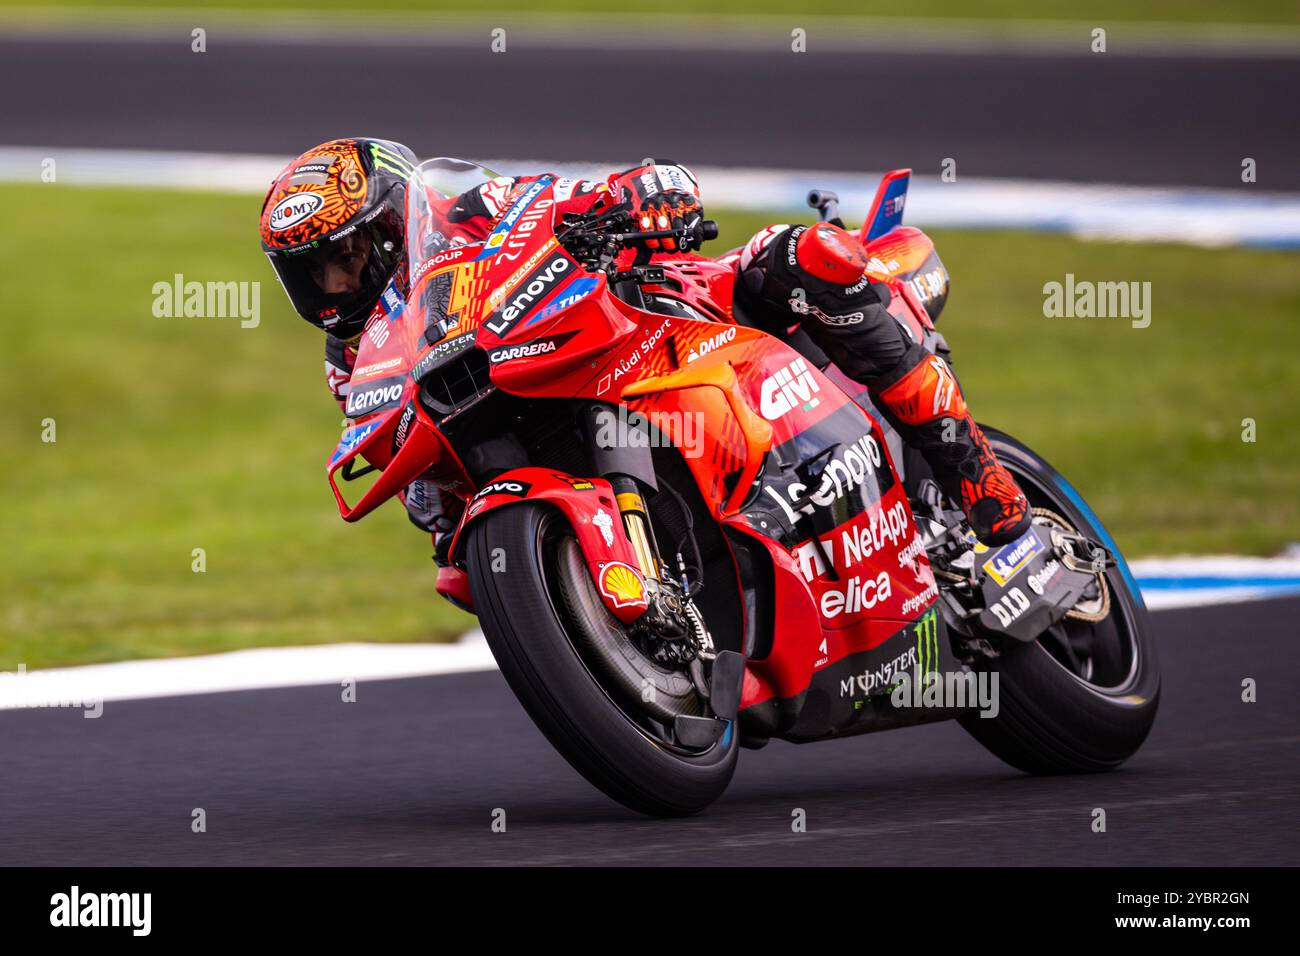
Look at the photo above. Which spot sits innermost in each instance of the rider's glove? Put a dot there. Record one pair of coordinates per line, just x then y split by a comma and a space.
662, 196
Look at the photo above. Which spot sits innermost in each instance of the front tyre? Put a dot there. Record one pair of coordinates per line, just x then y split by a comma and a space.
568, 660
1083, 696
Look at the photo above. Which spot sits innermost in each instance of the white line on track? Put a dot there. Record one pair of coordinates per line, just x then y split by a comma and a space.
1210, 580
255, 669
1090, 211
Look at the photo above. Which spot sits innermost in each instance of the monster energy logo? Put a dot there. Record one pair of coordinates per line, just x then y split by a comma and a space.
932, 688
927, 644
385, 158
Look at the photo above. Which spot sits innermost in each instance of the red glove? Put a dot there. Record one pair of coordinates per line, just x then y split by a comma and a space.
662, 196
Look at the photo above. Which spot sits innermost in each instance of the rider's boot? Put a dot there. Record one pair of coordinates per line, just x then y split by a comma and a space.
453, 583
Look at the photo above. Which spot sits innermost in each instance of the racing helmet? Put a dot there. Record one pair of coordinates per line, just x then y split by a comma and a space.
333, 226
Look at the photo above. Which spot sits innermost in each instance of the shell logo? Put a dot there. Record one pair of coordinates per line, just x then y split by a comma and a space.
622, 585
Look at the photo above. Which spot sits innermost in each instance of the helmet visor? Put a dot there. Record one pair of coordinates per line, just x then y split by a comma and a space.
335, 282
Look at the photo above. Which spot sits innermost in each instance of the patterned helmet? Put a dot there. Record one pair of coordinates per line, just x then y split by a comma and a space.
333, 226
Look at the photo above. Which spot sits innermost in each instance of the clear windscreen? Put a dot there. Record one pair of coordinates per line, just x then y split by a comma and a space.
430, 196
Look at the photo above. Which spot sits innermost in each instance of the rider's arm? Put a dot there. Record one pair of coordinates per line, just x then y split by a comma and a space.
662, 195
340, 359
478, 207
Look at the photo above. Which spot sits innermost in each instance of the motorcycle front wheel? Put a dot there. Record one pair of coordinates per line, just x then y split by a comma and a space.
595, 694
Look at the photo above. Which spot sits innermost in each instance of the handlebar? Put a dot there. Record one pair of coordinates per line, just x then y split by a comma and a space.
592, 237
699, 231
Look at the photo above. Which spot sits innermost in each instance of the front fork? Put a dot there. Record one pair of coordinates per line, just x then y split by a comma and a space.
639, 531
627, 466
668, 615
678, 628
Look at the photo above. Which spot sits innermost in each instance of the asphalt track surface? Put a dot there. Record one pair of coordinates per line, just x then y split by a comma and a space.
1158, 119
412, 771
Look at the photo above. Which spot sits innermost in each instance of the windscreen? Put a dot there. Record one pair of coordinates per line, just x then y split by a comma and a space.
430, 198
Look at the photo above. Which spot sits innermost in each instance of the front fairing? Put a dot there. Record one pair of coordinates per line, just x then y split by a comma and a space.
503, 301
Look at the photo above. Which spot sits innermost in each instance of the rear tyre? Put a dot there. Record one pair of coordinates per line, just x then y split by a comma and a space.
571, 664
1083, 696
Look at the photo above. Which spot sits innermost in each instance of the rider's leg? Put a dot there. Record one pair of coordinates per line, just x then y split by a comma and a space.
929, 409
817, 274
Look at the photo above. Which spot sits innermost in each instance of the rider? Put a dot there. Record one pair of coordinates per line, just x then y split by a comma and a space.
332, 226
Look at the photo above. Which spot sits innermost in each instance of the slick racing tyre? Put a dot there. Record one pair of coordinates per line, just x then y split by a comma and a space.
1084, 695
574, 667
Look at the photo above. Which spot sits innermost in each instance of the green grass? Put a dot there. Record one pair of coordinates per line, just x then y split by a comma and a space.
1100, 12
175, 434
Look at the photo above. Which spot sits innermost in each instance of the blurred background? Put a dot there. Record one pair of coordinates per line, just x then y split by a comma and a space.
137, 142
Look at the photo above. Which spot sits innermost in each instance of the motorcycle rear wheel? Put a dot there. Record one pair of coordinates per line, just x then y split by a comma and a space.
1058, 714
552, 662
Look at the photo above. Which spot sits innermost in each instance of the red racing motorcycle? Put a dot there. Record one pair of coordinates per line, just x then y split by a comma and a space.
683, 536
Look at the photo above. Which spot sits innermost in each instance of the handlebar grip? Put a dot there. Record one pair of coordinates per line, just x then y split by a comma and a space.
708, 229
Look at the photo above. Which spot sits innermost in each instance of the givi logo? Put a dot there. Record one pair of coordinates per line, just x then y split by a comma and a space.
788, 389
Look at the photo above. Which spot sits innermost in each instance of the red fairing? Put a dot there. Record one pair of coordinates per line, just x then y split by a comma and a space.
706, 285
421, 451
883, 579
589, 506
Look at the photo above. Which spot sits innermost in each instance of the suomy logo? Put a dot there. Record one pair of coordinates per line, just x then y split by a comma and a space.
294, 209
